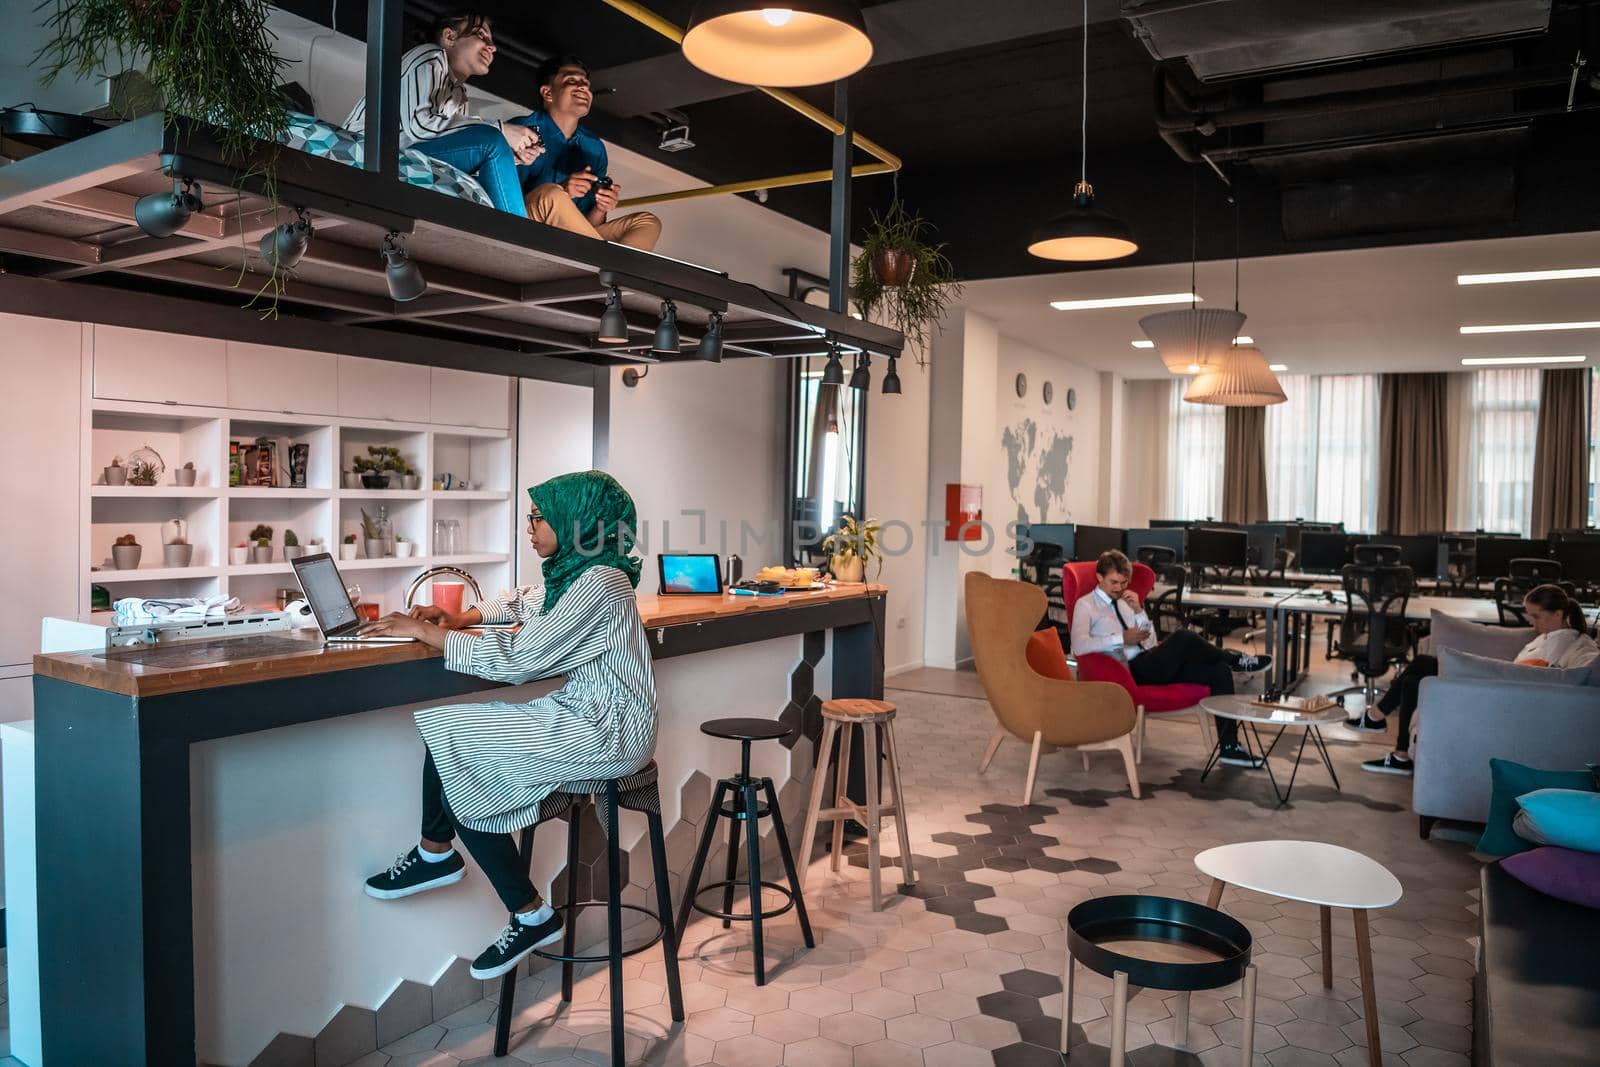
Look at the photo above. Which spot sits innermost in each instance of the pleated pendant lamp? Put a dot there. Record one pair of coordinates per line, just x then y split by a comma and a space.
1241, 378
1192, 338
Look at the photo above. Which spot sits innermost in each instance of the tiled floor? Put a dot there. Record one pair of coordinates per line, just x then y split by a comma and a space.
964, 970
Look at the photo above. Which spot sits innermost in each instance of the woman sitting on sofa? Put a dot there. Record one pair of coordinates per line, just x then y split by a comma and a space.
433, 109
1560, 639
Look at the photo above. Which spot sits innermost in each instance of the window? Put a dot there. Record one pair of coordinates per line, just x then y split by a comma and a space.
1322, 450
1194, 458
1505, 425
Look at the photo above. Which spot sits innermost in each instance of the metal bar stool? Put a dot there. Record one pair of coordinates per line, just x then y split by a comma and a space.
634, 792
876, 719
745, 810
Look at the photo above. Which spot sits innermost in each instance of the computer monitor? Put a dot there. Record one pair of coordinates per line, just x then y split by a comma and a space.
1166, 537
1059, 534
1579, 559
1574, 534
1496, 553
1263, 541
1420, 552
1213, 546
1093, 540
1161, 524
1323, 552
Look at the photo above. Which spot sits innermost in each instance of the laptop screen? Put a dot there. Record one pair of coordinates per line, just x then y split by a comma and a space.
324, 589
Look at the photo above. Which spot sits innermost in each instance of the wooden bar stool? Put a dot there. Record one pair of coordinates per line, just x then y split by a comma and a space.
876, 719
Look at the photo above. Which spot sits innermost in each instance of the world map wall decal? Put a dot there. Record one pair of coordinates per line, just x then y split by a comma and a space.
1037, 462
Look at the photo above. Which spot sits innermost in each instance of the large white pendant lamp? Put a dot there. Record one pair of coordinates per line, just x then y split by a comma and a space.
1241, 378
1191, 339
804, 42
1083, 233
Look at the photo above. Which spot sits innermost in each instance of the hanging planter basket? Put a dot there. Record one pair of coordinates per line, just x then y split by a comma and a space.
893, 267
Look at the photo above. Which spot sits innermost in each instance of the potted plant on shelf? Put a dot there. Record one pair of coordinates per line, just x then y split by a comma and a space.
239, 554
184, 475
404, 549
372, 476
901, 274
292, 548
409, 476
372, 534
142, 473
176, 551
347, 547
851, 547
125, 553
116, 473
352, 479
261, 544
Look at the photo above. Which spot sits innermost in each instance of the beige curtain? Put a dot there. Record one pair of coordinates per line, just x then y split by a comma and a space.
1413, 453
1561, 451
1244, 465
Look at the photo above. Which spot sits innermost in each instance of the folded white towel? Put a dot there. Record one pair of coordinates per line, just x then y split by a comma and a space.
132, 611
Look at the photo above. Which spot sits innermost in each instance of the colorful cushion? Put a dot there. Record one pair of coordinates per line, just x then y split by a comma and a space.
1510, 781
1495, 642
1047, 657
1569, 818
1563, 873
1458, 665
311, 135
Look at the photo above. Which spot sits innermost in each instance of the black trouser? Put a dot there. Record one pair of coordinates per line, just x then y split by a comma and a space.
1188, 657
1404, 693
496, 854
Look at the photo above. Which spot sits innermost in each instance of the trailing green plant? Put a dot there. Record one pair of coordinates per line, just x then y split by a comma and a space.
915, 307
855, 537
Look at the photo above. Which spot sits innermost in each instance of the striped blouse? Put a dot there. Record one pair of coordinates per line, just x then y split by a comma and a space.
432, 102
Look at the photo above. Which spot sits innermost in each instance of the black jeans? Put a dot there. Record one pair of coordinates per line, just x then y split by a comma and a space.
1404, 694
496, 854
1188, 657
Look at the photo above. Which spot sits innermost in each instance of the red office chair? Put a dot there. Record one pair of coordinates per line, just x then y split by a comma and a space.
1154, 699
1079, 579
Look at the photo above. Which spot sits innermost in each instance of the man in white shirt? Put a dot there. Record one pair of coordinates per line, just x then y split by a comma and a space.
1110, 620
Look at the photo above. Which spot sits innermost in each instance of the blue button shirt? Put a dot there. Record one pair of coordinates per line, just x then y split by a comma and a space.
562, 157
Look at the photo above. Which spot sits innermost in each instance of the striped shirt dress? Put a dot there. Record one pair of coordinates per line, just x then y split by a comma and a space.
499, 760
432, 102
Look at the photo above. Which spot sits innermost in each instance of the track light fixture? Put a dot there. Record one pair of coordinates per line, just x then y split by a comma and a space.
163, 214
667, 330
613, 324
710, 348
833, 373
405, 280
891, 380
283, 246
861, 377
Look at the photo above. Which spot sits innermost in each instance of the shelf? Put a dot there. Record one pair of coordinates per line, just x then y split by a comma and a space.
470, 494
422, 561
382, 494
268, 492
153, 492
152, 574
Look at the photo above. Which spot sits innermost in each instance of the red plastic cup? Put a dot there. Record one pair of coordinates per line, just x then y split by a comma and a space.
368, 611
447, 595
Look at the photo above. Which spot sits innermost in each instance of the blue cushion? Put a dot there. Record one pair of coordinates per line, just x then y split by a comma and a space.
1567, 818
1510, 781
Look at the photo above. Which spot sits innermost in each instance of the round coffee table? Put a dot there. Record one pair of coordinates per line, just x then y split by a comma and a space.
1252, 716
1313, 872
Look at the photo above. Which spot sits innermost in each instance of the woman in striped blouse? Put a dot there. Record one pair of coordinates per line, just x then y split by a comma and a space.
488, 766
434, 116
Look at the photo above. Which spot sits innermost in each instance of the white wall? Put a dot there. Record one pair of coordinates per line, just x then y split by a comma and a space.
1138, 445
897, 479
555, 435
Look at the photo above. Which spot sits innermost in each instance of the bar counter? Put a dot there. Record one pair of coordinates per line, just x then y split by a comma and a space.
202, 831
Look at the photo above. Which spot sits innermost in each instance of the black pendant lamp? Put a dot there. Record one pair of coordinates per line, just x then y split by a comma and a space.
833, 370
1084, 233
804, 42
891, 380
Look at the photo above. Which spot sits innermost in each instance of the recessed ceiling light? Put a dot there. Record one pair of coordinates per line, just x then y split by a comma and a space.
1531, 327
1277, 368
1144, 344
1124, 301
1528, 276
1240, 340
1517, 361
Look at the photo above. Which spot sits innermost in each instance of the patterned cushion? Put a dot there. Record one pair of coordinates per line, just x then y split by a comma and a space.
305, 133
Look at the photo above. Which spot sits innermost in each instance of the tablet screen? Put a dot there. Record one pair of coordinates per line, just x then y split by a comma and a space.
697, 573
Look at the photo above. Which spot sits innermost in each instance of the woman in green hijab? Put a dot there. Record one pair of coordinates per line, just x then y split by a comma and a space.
488, 766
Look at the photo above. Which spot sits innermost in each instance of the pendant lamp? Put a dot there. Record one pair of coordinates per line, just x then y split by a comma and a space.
1192, 337
1083, 233
1241, 378
805, 42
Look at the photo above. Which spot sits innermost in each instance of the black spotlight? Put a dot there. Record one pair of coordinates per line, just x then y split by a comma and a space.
833, 373
405, 280
613, 324
861, 377
667, 329
163, 214
710, 348
285, 244
891, 380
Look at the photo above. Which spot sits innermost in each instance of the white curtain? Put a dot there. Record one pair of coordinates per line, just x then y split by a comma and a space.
1322, 450
1594, 447
1505, 424
1194, 457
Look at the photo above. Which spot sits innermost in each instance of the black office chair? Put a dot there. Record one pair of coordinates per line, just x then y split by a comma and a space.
1374, 634
1524, 575
1165, 608
1376, 554
1282, 561
1461, 565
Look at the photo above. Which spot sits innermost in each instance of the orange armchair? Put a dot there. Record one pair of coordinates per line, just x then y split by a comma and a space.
1029, 705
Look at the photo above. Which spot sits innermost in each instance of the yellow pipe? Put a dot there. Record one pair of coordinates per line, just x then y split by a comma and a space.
887, 163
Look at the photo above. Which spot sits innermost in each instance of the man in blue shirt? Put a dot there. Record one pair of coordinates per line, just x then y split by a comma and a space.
567, 186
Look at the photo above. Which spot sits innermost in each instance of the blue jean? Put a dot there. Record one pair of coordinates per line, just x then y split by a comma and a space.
481, 150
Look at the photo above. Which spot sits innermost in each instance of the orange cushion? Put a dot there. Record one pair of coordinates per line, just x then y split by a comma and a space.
1047, 657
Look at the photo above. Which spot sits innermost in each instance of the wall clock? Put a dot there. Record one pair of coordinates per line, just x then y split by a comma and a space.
1072, 400
1049, 392
1022, 385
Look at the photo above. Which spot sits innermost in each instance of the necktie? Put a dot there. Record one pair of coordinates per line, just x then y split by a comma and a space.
1116, 606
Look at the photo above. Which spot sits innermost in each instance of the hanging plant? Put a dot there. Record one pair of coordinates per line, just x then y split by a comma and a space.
902, 275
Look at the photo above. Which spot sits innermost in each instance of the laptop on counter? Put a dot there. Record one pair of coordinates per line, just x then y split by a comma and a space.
330, 604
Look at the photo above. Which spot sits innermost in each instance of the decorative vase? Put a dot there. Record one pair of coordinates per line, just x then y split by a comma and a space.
184, 476
352, 480
126, 557
375, 548
848, 568
404, 549
347, 551
238, 557
293, 552
259, 554
116, 475
374, 481
177, 555
411, 481
893, 266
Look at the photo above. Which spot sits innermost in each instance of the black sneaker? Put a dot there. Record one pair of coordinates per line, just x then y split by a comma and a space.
1390, 764
410, 873
1243, 664
1236, 755
515, 942
1366, 724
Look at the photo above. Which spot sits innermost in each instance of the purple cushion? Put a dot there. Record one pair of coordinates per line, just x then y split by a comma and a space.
1563, 873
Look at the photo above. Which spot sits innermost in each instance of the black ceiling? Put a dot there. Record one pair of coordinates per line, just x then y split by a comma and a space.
981, 101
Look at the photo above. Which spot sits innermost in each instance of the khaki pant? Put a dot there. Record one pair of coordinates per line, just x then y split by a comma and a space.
550, 204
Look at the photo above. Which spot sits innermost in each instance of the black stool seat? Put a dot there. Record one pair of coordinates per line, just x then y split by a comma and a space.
745, 729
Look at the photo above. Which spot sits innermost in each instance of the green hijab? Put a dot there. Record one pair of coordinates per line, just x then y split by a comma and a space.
594, 520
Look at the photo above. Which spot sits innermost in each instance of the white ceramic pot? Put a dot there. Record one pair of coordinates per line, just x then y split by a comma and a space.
348, 551
184, 476
375, 548
177, 555
260, 555
293, 551
411, 481
126, 557
116, 475
239, 556
352, 480
404, 549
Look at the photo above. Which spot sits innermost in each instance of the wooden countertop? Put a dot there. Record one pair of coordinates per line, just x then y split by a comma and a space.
140, 680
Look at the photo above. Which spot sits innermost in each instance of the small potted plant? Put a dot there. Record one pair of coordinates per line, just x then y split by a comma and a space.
142, 473
184, 475
902, 274
373, 536
347, 547
239, 554
261, 544
851, 546
292, 548
404, 549
352, 479
176, 551
409, 476
371, 474
125, 553
116, 474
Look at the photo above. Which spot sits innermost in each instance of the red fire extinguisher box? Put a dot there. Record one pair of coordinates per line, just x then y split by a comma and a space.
963, 511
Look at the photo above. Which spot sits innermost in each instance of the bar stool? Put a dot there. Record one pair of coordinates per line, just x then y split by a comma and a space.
745, 810
876, 719
633, 792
